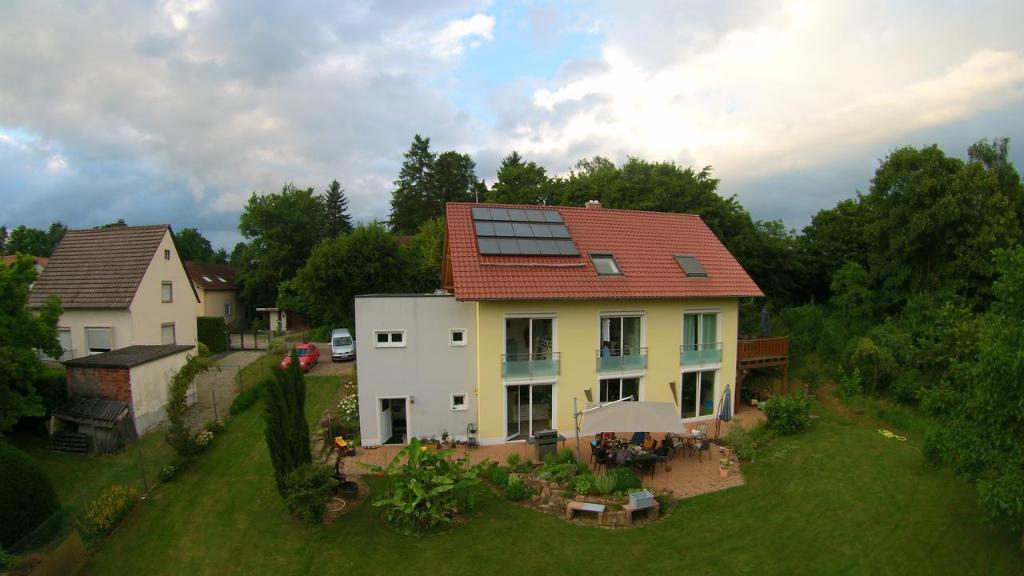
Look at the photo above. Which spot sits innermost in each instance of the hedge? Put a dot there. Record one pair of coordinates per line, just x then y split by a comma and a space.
27, 497
212, 331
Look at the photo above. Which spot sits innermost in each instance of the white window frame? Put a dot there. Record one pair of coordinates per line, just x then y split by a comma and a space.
451, 337
65, 353
170, 291
167, 254
391, 341
700, 333
465, 401
174, 333
227, 310
88, 345
698, 370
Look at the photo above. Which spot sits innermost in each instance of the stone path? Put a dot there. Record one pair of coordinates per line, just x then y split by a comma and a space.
215, 390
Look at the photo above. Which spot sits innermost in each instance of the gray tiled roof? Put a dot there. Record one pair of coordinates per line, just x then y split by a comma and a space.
128, 356
98, 268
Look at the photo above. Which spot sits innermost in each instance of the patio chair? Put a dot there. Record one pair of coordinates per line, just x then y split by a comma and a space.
675, 444
702, 430
702, 445
601, 457
620, 457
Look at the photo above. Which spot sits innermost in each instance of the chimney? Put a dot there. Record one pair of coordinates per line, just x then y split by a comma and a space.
593, 204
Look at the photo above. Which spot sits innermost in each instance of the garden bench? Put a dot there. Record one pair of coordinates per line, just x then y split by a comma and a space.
630, 509
574, 507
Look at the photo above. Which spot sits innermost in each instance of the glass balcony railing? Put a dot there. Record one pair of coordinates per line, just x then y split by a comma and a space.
530, 366
704, 353
626, 359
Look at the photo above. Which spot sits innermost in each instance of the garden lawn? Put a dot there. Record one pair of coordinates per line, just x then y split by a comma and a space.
837, 499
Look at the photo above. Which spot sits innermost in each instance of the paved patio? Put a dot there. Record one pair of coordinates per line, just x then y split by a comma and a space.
687, 476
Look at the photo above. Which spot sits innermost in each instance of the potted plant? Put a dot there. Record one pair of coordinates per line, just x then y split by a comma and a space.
724, 465
444, 439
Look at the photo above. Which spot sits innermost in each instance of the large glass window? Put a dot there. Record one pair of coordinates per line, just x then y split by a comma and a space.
620, 335
529, 409
700, 338
698, 394
613, 389
529, 348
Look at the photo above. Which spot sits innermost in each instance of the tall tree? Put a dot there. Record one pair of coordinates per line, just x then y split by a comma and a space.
453, 179
367, 261
424, 253
31, 241
336, 218
3, 239
285, 428
194, 247
519, 182
281, 231
410, 199
21, 332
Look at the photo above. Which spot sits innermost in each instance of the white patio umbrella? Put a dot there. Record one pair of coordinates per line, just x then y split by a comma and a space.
632, 417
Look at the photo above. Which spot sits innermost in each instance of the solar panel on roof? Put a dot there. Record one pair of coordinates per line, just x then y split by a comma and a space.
481, 213
508, 246
528, 246
548, 247
541, 230
691, 266
566, 248
484, 228
503, 229
517, 214
535, 215
488, 246
552, 216
559, 231
499, 214
522, 230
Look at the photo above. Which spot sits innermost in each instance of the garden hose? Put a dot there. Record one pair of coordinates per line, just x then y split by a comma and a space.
889, 434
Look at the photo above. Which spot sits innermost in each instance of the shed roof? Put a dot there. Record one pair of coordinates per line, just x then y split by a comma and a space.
95, 411
129, 356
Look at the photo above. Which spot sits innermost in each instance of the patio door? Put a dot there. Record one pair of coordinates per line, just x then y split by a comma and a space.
385, 420
529, 409
697, 399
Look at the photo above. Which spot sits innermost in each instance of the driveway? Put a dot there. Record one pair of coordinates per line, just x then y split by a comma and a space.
327, 367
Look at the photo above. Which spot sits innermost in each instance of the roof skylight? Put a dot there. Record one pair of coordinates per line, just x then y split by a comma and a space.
691, 266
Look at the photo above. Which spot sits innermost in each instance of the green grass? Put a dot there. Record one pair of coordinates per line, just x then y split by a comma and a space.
837, 499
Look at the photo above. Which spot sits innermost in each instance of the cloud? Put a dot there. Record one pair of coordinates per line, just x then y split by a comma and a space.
449, 42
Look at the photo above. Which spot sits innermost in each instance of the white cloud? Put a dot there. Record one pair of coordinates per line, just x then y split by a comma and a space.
448, 43
56, 163
795, 86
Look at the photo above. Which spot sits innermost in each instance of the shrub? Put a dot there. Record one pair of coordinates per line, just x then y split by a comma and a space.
318, 334
560, 473
513, 460
103, 513
850, 385
497, 475
202, 349
246, 398
215, 426
52, 386
307, 490
790, 413
745, 443
625, 479
203, 439
584, 484
606, 483
7, 561
516, 490
26, 499
213, 332
170, 471
426, 490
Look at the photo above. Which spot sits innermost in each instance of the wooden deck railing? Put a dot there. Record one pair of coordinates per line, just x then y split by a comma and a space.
777, 347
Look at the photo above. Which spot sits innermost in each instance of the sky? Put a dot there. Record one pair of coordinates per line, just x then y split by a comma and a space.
175, 111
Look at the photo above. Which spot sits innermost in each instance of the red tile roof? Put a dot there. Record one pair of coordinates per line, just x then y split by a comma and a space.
643, 243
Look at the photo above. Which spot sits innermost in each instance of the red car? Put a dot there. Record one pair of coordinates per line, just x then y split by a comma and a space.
308, 353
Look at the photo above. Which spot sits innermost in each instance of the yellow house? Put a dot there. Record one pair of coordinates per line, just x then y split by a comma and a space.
217, 292
575, 305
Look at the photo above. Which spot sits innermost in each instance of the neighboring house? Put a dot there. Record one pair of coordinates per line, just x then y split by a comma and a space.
119, 286
217, 292
280, 320
40, 264
555, 305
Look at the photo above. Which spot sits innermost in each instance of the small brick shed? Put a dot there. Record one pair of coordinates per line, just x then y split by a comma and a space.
136, 375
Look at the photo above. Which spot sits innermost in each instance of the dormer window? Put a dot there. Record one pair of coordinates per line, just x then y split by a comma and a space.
691, 266
606, 265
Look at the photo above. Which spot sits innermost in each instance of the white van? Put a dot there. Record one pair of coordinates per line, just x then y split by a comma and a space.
343, 347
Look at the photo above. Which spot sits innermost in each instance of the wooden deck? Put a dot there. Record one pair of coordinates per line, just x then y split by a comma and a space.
761, 353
